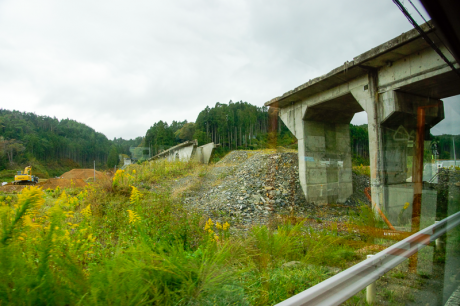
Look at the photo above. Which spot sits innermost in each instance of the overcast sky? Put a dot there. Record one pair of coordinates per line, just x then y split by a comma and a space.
120, 66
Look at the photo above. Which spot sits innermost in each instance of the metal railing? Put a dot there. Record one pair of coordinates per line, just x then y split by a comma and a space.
346, 284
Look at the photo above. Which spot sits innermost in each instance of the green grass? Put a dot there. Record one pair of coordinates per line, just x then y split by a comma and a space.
114, 244
399, 275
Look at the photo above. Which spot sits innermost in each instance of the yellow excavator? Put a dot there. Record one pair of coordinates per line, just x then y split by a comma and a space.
26, 177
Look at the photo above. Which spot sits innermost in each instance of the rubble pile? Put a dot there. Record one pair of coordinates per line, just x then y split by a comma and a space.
250, 186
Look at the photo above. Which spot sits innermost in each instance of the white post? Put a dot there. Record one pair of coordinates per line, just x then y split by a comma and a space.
438, 241
94, 179
370, 290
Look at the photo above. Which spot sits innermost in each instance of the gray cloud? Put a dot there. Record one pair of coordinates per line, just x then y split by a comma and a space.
120, 66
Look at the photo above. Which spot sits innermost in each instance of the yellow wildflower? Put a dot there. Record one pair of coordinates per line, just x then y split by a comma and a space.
209, 225
226, 226
118, 175
406, 205
28, 222
87, 211
133, 217
32, 196
218, 225
135, 196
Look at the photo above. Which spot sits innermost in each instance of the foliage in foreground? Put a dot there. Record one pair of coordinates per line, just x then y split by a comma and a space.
116, 243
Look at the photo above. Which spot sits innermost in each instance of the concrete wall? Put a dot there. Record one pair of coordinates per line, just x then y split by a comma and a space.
203, 153
182, 154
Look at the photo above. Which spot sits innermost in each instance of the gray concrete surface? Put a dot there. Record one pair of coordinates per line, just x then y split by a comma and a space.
203, 153
187, 151
389, 82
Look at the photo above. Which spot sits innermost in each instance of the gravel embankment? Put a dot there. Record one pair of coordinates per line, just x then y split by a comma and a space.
250, 187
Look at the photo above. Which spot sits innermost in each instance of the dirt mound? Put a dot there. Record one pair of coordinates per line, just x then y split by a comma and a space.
10, 188
50, 183
62, 183
83, 174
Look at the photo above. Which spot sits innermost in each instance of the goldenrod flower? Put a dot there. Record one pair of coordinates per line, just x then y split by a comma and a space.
209, 225
32, 196
218, 225
133, 217
406, 205
226, 226
87, 211
28, 222
135, 196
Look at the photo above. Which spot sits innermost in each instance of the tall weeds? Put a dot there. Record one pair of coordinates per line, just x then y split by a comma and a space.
118, 243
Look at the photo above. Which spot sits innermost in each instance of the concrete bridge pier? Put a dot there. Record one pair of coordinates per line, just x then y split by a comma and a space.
323, 135
393, 133
399, 84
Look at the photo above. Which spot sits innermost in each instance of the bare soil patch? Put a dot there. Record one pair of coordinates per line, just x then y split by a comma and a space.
62, 183
83, 174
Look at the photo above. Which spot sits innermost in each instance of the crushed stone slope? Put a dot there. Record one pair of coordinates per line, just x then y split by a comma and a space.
251, 186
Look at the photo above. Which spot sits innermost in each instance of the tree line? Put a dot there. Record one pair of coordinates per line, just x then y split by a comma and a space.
240, 125
236, 125
24, 136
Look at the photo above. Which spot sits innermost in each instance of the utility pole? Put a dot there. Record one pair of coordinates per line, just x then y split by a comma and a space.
94, 178
455, 156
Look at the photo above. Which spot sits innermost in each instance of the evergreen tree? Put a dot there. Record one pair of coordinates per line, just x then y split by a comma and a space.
112, 159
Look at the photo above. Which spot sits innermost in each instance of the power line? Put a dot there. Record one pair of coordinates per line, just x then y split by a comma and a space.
419, 13
425, 36
430, 27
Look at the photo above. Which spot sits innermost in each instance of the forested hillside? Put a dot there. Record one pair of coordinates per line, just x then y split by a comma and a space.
240, 125
233, 125
27, 136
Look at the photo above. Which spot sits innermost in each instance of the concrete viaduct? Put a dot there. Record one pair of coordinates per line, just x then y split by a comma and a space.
391, 83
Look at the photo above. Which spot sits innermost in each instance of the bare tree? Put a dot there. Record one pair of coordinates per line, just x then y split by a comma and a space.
10, 147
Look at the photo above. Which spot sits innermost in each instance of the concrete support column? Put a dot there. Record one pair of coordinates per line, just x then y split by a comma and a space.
324, 151
392, 119
292, 118
328, 162
367, 97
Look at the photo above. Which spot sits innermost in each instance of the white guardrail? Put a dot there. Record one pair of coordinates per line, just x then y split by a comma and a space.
341, 287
